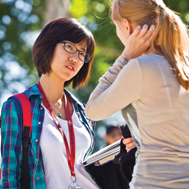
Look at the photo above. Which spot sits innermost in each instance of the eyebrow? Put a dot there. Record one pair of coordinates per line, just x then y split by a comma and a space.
84, 49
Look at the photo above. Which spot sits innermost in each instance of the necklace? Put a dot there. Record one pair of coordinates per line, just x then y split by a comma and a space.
59, 115
58, 110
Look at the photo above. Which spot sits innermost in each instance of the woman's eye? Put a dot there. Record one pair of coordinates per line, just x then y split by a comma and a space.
68, 46
82, 54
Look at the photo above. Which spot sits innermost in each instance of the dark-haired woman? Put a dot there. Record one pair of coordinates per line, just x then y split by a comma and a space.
63, 54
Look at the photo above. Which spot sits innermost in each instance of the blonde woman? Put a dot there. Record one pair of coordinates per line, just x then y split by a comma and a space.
157, 85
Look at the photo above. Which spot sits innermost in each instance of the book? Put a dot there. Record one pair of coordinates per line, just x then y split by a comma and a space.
104, 155
105, 159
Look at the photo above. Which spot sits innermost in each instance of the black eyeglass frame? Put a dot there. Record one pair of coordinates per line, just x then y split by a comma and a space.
89, 57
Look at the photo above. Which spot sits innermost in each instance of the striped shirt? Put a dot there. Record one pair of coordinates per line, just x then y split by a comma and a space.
11, 142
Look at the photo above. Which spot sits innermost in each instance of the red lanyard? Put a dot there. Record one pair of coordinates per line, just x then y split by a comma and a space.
70, 152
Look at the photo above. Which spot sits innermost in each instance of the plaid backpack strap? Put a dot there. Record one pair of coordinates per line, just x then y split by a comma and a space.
25, 109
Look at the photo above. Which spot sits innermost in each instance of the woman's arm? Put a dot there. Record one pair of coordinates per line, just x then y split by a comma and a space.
121, 84
10, 146
112, 95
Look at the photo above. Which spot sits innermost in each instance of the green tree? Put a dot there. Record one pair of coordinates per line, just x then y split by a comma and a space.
18, 19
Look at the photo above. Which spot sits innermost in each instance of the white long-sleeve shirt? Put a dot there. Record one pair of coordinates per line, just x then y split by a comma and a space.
162, 107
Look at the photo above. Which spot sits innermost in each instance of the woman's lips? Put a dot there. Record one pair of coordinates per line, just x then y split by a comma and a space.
70, 67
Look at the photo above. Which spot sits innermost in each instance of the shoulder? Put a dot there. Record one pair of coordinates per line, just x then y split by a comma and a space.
11, 102
131, 70
10, 105
10, 115
150, 60
75, 101
149, 64
11, 111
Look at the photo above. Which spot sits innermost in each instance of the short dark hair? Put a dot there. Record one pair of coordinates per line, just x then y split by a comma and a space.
110, 128
69, 29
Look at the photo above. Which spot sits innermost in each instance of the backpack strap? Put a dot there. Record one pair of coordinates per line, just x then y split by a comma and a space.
25, 109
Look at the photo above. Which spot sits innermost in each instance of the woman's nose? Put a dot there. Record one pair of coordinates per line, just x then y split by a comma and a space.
74, 57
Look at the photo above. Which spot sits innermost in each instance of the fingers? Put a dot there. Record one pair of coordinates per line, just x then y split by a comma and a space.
143, 30
129, 142
130, 146
150, 32
146, 35
136, 31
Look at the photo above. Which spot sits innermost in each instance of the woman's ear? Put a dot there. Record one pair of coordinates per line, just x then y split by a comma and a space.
128, 26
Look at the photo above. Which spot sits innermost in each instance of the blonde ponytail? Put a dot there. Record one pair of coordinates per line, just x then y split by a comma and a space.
171, 35
171, 40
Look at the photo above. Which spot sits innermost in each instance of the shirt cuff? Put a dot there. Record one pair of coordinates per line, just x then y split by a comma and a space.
121, 60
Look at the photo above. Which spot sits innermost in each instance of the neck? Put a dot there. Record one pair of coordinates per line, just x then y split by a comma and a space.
53, 88
149, 52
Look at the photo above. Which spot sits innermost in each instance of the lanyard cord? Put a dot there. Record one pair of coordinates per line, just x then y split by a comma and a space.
70, 152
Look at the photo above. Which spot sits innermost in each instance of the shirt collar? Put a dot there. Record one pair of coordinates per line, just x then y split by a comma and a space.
75, 101
33, 90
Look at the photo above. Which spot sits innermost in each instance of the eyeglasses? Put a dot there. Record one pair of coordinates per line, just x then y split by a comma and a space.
69, 47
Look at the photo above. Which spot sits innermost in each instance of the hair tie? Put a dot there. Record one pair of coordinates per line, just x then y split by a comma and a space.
158, 9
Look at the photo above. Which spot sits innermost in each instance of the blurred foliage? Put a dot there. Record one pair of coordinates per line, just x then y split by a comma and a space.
20, 19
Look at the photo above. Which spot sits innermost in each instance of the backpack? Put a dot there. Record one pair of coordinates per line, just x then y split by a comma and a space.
25, 108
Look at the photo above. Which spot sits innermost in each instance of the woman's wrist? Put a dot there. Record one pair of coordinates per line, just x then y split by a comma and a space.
125, 56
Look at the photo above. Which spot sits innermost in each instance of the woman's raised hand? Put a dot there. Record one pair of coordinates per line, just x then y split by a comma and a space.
138, 42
